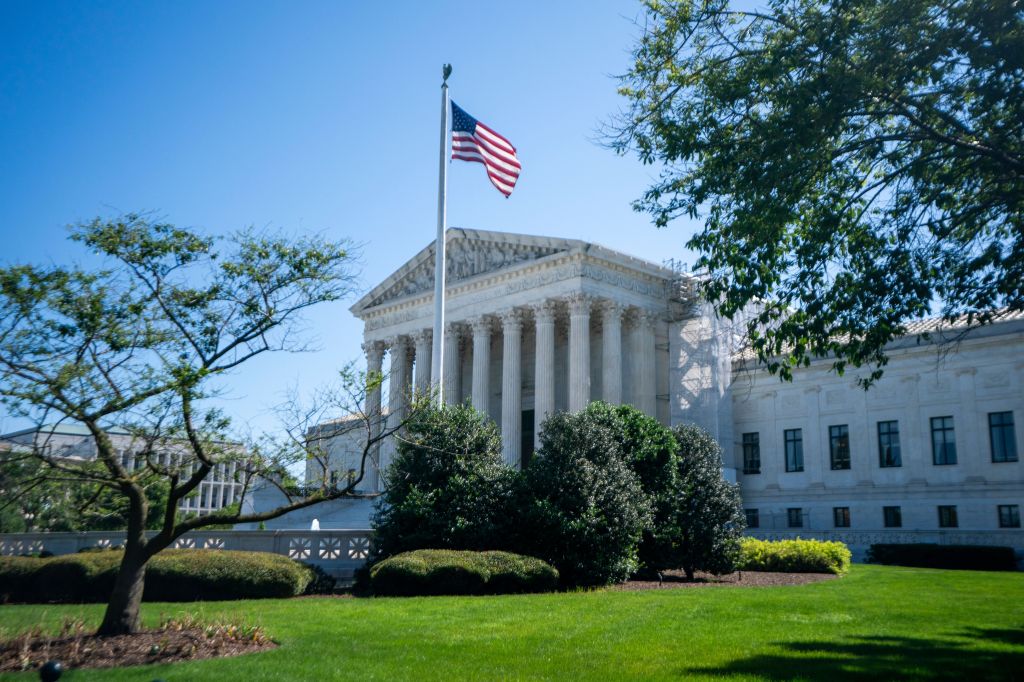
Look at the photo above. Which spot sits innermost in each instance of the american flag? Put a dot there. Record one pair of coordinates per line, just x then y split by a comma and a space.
473, 141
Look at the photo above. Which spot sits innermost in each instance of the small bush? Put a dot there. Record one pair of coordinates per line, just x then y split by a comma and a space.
794, 556
927, 555
443, 571
172, 575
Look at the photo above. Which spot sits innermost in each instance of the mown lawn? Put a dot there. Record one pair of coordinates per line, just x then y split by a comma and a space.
876, 623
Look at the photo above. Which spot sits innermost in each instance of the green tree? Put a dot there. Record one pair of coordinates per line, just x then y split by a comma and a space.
581, 506
859, 164
143, 341
448, 487
709, 511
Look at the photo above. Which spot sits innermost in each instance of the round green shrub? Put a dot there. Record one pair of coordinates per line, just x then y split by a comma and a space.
448, 486
171, 575
444, 571
582, 507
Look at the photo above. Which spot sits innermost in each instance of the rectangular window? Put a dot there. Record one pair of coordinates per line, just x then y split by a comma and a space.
1009, 516
753, 518
893, 517
751, 453
795, 517
839, 446
841, 517
794, 449
947, 516
1002, 437
889, 444
943, 441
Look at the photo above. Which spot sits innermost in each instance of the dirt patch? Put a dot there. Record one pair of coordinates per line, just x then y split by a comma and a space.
677, 579
173, 641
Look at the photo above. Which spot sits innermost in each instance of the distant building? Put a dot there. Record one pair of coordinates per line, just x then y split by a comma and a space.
221, 487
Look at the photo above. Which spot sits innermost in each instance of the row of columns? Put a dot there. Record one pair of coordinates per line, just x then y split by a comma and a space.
639, 343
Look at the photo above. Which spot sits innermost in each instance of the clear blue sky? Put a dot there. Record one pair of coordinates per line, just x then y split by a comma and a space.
312, 116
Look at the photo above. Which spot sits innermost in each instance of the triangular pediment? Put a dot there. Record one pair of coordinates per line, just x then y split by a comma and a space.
469, 253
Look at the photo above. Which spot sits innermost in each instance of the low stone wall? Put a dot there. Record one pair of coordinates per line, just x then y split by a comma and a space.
860, 541
338, 552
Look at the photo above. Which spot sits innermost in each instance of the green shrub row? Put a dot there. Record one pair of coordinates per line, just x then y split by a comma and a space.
794, 556
172, 575
929, 555
444, 571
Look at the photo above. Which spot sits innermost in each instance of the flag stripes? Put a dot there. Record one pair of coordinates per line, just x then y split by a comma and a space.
474, 141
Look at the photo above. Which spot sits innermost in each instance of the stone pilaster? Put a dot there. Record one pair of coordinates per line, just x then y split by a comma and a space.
611, 355
452, 365
482, 363
423, 340
544, 368
579, 351
511, 388
374, 364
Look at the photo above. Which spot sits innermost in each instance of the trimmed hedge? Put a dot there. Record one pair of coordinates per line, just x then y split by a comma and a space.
929, 555
172, 575
445, 571
794, 556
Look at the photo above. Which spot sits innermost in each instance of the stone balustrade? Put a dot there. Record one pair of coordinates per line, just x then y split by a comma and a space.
338, 552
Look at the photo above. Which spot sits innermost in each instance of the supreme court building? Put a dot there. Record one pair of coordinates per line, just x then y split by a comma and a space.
536, 325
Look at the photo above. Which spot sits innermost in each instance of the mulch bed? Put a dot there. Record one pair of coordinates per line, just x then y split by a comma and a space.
79, 650
677, 579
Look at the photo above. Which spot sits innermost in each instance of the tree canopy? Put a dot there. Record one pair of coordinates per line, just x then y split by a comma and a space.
859, 164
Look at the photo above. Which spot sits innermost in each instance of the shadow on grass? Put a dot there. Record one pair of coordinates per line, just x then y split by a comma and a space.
956, 657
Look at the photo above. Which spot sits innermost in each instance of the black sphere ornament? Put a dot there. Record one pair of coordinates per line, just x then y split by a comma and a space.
51, 671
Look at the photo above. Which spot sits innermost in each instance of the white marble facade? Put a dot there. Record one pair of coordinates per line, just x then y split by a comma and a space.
537, 325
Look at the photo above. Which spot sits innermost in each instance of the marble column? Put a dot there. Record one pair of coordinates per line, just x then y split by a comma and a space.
482, 364
579, 351
374, 363
398, 391
611, 356
511, 388
544, 368
452, 365
646, 390
424, 348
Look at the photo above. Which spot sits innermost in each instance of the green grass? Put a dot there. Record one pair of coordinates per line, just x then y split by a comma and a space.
875, 623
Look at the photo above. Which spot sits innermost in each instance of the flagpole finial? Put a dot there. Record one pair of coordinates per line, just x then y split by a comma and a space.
446, 71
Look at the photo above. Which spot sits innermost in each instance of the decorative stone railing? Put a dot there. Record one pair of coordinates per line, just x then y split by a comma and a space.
338, 552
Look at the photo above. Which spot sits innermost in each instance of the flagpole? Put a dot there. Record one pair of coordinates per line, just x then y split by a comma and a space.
437, 361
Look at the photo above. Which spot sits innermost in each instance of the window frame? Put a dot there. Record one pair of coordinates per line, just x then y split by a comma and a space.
948, 516
755, 513
841, 514
797, 442
837, 433
1013, 511
799, 516
754, 444
893, 434
947, 445
1008, 439
896, 512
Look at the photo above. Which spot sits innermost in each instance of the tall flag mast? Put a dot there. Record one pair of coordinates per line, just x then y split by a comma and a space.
437, 360
471, 141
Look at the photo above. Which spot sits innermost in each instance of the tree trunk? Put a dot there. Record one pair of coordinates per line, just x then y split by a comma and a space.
122, 615
689, 572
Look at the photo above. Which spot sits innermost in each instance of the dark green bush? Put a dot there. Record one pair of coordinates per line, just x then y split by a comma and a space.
582, 508
443, 571
793, 556
927, 555
448, 487
172, 575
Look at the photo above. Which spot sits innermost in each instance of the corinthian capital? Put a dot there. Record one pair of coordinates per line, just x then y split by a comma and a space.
579, 303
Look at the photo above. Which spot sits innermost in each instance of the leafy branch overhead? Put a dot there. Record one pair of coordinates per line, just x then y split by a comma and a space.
858, 164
